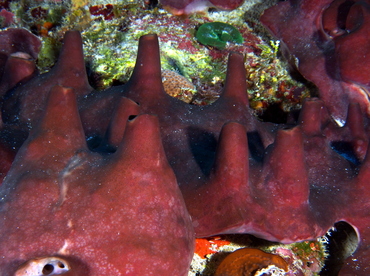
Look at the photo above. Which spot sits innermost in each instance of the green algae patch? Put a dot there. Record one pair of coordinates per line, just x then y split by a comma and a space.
49, 53
217, 34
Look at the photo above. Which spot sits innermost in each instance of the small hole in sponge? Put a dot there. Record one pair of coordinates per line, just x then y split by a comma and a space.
345, 149
48, 269
132, 117
44, 266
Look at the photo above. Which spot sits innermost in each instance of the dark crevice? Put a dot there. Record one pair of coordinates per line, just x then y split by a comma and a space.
255, 145
342, 241
132, 117
345, 149
203, 146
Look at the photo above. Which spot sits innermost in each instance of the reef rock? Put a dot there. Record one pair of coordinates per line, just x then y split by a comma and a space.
186, 7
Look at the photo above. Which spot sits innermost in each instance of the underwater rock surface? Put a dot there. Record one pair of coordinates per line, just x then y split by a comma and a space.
186, 7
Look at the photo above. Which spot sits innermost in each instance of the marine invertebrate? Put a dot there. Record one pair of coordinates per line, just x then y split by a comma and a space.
319, 36
261, 187
351, 29
15, 41
53, 225
217, 34
251, 260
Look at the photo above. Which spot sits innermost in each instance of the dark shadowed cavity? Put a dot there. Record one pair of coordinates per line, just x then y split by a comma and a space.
345, 149
203, 148
342, 241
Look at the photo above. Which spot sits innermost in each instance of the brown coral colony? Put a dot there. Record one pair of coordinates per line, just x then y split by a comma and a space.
249, 261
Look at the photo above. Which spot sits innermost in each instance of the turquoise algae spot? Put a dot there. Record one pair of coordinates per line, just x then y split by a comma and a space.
216, 34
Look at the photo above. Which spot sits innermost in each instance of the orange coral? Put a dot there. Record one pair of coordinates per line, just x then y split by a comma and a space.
203, 247
246, 261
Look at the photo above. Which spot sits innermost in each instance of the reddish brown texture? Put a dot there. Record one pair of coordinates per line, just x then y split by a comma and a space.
352, 48
105, 10
39, 13
17, 40
236, 173
113, 214
7, 158
31, 97
4, 4
19, 67
18, 51
328, 42
248, 261
7, 18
